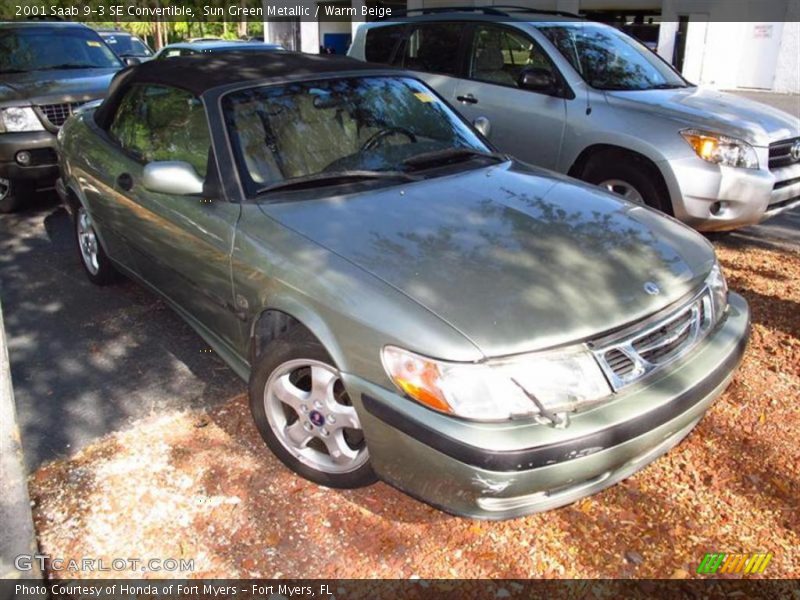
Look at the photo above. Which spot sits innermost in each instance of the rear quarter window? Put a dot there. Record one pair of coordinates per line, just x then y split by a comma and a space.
381, 42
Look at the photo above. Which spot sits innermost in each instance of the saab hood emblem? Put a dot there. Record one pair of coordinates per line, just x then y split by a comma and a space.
652, 289
795, 151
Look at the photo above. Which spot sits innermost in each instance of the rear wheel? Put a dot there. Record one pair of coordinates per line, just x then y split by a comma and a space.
95, 263
11, 195
304, 414
630, 177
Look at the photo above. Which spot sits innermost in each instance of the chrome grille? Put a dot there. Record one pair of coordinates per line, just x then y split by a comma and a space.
780, 153
631, 356
57, 114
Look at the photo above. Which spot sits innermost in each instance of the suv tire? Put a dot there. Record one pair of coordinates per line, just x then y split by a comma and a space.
11, 195
617, 172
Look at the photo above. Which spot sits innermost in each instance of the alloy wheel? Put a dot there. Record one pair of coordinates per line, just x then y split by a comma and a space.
5, 188
311, 414
624, 189
87, 241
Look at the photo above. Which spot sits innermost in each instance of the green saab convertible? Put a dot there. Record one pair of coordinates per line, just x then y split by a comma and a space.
405, 303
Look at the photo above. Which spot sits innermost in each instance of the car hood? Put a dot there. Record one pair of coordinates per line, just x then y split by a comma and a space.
51, 87
513, 260
714, 111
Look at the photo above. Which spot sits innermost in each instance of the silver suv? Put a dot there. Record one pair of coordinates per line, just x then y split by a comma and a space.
585, 99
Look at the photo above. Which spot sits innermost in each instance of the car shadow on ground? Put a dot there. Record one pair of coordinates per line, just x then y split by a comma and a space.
86, 360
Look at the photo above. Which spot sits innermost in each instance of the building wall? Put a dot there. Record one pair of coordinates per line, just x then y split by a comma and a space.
787, 73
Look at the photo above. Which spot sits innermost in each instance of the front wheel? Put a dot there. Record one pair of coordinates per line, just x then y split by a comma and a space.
95, 263
627, 177
11, 195
305, 416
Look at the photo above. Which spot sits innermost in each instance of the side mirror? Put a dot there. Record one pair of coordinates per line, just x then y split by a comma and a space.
172, 177
131, 61
483, 125
538, 80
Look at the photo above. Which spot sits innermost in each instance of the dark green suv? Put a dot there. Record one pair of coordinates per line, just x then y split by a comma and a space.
47, 70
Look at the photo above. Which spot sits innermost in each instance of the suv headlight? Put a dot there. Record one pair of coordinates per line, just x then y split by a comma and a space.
719, 291
540, 384
721, 149
19, 118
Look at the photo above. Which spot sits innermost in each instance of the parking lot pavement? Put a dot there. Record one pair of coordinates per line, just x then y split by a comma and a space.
86, 361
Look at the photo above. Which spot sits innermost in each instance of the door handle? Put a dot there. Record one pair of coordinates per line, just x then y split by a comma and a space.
125, 181
468, 99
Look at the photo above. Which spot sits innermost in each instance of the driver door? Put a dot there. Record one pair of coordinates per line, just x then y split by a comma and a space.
181, 244
526, 124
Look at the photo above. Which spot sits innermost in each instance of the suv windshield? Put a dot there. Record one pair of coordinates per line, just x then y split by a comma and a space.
338, 130
126, 45
41, 48
607, 59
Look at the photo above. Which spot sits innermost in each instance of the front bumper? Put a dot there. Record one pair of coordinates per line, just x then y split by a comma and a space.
505, 470
41, 145
713, 198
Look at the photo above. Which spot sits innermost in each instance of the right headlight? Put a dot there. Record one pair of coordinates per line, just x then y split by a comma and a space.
721, 149
19, 118
540, 384
719, 291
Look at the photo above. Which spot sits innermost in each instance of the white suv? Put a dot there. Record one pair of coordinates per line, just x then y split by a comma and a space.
586, 99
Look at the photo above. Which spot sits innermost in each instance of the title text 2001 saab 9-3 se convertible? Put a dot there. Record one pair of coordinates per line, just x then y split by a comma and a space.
405, 302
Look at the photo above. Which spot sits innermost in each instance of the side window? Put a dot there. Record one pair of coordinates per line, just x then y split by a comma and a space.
499, 55
155, 122
432, 47
381, 42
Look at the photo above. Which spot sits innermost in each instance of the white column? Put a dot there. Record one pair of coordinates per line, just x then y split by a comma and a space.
358, 19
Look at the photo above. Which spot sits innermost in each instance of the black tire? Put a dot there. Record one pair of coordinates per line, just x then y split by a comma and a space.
104, 273
12, 195
296, 344
636, 172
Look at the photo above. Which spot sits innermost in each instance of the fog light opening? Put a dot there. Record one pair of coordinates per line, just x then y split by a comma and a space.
718, 208
23, 157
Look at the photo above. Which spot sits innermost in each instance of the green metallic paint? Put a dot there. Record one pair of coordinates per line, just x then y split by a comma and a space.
482, 263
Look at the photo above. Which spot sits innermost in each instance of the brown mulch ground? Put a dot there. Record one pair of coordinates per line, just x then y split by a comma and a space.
202, 485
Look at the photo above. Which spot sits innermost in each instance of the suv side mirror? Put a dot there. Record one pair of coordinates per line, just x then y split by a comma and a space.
173, 177
131, 61
538, 80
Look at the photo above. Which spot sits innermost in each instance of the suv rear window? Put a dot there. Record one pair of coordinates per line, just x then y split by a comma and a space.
381, 42
432, 47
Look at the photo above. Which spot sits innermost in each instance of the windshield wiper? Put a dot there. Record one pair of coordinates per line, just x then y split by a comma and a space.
67, 66
449, 155
666, 86
333, 178
12, 71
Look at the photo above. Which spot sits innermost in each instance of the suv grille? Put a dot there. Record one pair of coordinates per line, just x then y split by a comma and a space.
632, 355
779, 153
57, 114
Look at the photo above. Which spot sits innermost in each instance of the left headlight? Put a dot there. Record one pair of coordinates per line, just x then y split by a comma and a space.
19, 118
541, 384
721, 149
718, 288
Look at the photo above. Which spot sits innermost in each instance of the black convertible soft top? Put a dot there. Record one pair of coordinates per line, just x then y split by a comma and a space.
201, 72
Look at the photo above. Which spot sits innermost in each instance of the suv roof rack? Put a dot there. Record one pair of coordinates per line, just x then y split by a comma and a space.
496, 10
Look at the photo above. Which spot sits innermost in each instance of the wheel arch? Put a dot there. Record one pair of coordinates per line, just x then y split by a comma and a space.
283, 313
651, 163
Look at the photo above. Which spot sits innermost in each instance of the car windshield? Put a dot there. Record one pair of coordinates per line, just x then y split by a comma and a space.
341, 130
43, 48
126, 45
608, 59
